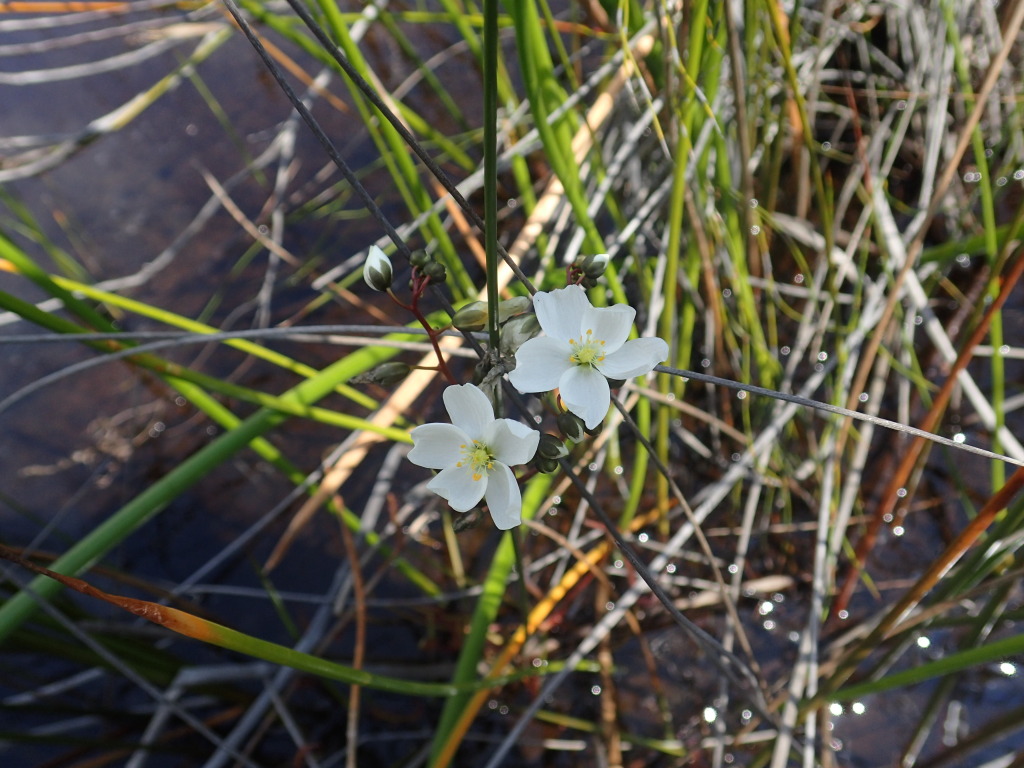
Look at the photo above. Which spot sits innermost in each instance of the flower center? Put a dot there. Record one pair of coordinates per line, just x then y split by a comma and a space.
479, 458
586, 351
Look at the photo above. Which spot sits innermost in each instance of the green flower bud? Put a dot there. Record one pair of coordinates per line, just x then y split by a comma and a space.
435, 271
550, 447
594, 266
419, 259
377, 270
472, 317
517, 331
390, 374
571, 426
547, 466
514, 306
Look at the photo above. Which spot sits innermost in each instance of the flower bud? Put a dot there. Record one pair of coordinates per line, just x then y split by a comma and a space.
594, 266
550, 447
435, 271
514, 306
390, 374
547, 466
517, 331
571, 425
472, 317
419, 259
377, 270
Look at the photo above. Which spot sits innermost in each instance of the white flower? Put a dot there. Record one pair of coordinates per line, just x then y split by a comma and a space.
377, 270
584, 345
474, 453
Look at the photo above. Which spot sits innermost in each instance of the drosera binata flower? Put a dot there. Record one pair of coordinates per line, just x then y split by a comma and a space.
584, 346
475, 453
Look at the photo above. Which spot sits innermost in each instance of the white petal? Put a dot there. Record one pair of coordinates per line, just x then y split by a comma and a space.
504, 499
585, 392
540, 363
561, 312
456, 484
511, 442
436, 446
469, 408
610, 324
635, 358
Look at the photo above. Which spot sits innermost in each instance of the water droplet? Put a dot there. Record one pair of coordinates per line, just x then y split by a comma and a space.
726, 292
753, 202
963, 260
670, 568
899, 530
1008, 668
769, 625
923, 642
1004, 349
826, 146
733, 568
765, 608
901, 492
959, 437
512, 202
710, 715
858, 708
822, 356
1018, 174
705, 363
901, 105
755, 230
617, 470
798, 279
643, 538
863, 397
1002, 181
609, 606
844, 615
741, 395
835, 708
596, 690
785, 350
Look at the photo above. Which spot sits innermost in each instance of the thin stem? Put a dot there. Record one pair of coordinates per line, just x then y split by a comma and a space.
491, 164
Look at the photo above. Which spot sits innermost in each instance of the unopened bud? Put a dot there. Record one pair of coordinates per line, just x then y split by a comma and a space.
390, 374
377, 270
571, 426
547, 466
594, 266
419, 259
550, 447
435, 271
472, 317
517, 331
514, 306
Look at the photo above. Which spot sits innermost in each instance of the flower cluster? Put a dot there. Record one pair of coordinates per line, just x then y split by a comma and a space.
583, 347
